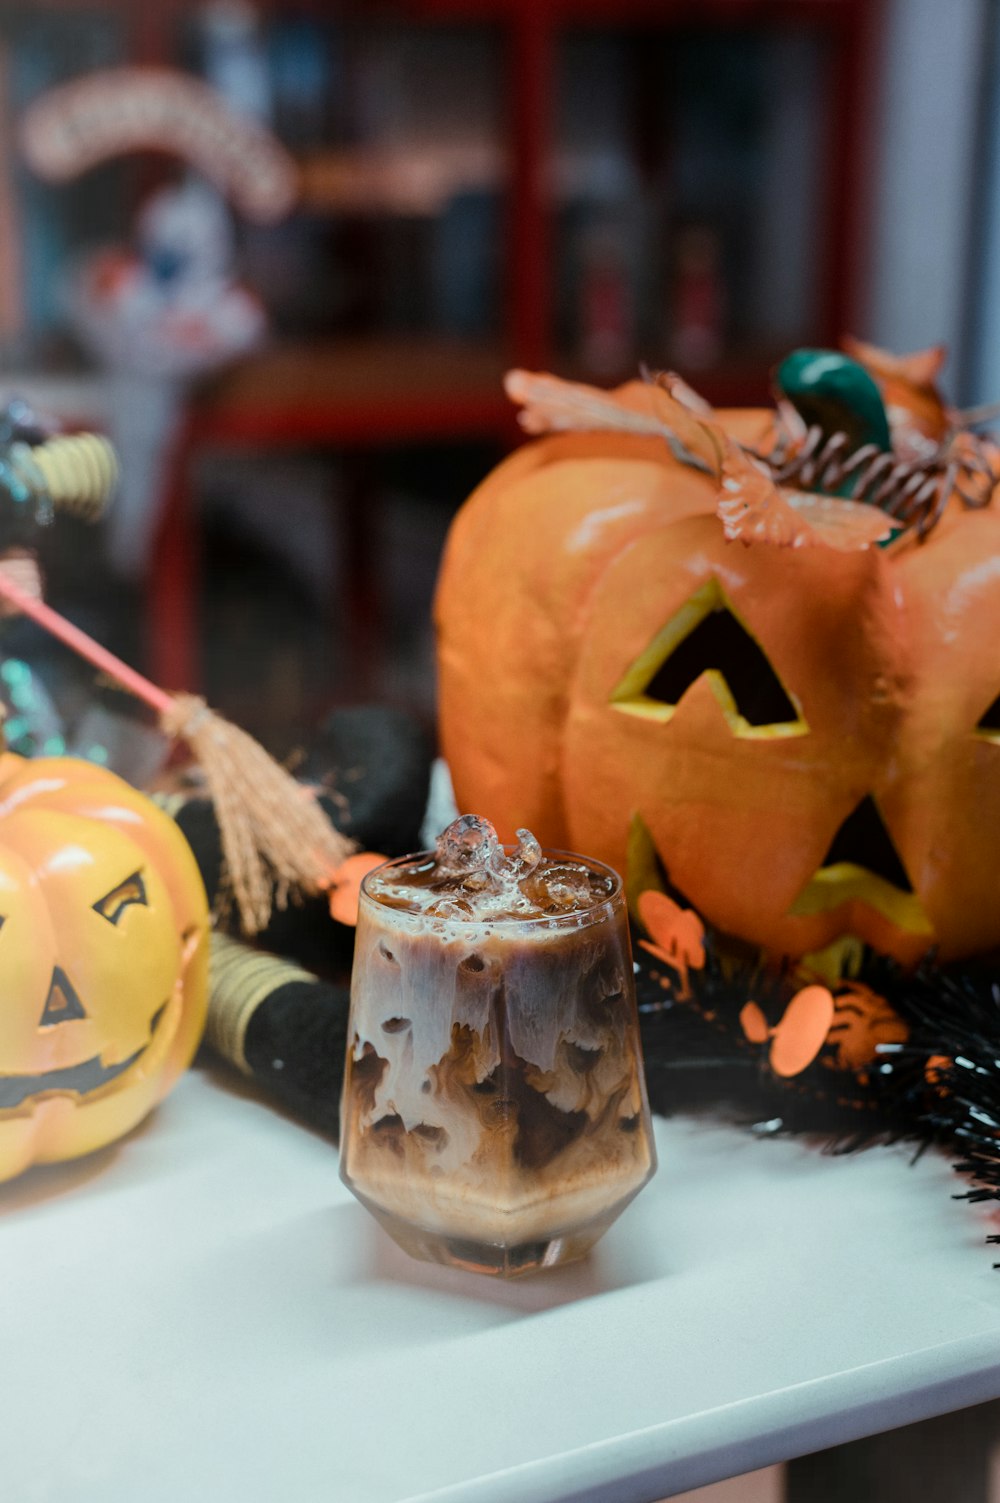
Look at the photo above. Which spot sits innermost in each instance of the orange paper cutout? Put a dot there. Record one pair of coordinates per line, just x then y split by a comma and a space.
801, 1033
345, 892
863, 1020
855, 1022
679, 936
754, 1024
935, 1068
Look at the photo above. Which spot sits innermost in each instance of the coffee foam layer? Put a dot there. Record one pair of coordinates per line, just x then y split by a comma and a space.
555, 887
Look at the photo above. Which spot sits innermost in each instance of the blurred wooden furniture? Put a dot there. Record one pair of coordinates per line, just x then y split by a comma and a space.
345, 396
351, 395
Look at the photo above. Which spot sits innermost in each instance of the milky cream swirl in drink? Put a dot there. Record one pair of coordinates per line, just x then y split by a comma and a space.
494, 1111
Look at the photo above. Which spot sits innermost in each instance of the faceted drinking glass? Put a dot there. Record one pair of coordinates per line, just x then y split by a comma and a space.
494, 1112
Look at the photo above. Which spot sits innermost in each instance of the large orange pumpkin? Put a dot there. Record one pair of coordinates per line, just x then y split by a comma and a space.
103, 958
804, 731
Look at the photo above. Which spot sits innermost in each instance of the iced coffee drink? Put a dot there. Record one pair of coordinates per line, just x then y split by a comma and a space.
494, 1112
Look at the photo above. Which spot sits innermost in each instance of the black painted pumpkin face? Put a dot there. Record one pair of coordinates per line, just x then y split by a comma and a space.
103, 930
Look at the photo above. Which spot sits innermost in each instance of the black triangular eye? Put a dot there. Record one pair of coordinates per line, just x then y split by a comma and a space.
989, 720
115, 902
721, 644
863, 840
62, 1002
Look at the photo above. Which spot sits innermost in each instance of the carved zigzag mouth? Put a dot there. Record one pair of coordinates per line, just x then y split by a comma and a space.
861, 870
846, 883
81, 1079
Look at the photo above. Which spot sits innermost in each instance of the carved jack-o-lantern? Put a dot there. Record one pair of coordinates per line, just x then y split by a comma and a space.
804, 731
103, 958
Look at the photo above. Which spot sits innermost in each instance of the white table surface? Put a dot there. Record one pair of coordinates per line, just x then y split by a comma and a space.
204, 1312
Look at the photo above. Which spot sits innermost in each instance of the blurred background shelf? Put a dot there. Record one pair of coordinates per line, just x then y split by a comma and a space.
565, 184
357, 390
347, 395
506, 169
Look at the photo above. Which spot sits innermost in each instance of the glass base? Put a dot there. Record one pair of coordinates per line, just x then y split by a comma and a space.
502, 1261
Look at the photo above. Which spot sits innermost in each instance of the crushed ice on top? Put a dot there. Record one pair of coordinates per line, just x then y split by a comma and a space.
472, 876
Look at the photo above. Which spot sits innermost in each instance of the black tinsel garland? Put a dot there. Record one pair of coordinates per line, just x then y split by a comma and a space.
697, 1054
942, 1086
954, 1047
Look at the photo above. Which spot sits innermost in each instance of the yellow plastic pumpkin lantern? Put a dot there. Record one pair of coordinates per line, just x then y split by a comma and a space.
649, 652
103, 958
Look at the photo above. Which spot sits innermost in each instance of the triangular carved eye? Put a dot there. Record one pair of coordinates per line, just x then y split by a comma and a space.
988, 724
706, 639
720, 644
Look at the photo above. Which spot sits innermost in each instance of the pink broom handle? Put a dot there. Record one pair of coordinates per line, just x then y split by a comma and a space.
50, 620
275, 836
